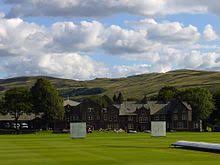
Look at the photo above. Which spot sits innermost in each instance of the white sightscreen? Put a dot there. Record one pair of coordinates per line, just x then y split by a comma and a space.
158, 128
77, 130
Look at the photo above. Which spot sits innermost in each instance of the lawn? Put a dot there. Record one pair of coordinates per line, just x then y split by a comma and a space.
104, 148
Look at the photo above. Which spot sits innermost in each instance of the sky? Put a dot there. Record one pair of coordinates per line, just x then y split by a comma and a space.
87, 39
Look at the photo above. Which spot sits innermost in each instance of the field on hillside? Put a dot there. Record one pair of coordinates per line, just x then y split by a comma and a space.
131, 87
104, 148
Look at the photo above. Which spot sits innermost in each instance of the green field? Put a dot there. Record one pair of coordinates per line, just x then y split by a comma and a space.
104, 148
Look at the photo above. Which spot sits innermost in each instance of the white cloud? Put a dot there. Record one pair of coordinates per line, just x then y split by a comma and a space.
94, 8
30, 49
125, 70
82, 36
72, 65
209, 33
62, 49
169, 32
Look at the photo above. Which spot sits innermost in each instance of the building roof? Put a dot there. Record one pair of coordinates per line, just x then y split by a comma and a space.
71, 103
155, 107
188, 106
127, 108
24, 117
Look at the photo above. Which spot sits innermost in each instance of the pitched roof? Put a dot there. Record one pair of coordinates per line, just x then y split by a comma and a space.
127, 108
24, 117
155, 107
188, 106
71, 103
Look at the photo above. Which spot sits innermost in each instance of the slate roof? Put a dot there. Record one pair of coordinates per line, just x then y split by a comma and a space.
155, 107
127, 108
71, 103
188, 106
24, 117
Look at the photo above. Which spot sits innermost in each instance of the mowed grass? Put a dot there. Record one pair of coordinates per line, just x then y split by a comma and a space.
104, 148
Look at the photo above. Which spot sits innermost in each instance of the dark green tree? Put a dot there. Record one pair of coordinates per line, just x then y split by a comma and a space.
167, 93
2, 104
215, 116
201, 101
120, 98
144, 100
46, 100
114, 98
16, 102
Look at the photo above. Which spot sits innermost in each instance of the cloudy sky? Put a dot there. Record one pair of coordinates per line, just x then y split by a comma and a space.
86, 39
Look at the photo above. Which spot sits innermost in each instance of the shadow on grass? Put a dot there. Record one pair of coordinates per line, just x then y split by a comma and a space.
134, 147
197, 149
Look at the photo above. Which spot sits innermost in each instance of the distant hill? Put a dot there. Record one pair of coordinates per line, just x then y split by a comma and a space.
132, 87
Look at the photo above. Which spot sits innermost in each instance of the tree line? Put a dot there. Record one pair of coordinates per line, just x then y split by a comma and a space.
205, 104
42, 98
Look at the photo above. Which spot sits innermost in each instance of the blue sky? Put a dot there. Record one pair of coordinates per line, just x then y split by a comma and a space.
86, 39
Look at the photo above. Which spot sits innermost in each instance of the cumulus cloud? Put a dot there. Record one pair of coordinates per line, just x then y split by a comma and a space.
71, 65
125, 70
70, 36
65, 49
209, 33
169, 32
170, 61
30, 49
97, 8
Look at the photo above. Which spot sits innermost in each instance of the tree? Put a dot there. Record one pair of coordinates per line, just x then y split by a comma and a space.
114, 98
215, 116
120, 98
16, 102
144, 100
2, 104
201, 101
46, 100
167, 93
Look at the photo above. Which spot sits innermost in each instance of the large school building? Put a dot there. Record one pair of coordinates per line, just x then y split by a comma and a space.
131, 115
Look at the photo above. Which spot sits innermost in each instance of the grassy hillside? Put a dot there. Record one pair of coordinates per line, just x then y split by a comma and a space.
132, 87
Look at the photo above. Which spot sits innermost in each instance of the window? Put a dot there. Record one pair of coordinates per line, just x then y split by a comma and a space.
162, 117
156, 117
195, 125
98, 117
90, 109
180, 125
130, 126
67, 118
175, 117
130, 118
143, 119
110, 126
184, 116
90, 117
168, 125
105, 117
104, 110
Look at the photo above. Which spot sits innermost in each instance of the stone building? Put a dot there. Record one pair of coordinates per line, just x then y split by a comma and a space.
131, 115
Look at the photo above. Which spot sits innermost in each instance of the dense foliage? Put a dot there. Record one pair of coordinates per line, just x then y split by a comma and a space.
46, 100
102, 101
201, 101
16, 102
83, 92
167, 93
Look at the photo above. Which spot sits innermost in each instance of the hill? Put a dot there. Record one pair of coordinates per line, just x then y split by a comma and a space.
132, 87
